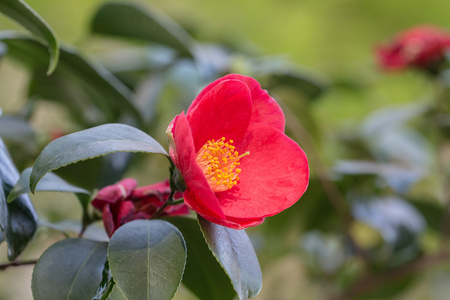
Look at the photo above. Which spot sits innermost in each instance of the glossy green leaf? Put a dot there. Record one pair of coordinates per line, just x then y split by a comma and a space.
92, 94
90, 143
106, 285
72, 228
147, 259
23, 14
145, 23
203, 275
20, 138
69, 269
398, 176
50, 183
18, 131
18, 220
398, 222
236, 254
3, 50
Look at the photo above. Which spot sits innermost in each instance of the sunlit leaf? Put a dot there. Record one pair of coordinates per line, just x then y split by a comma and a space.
72, 228
50, 183
18, 220
23, 14
325, 252
389, 117
394, 218
3, 50
399, 177
69, 269
147, 259
203, 275
145, 23
236, 254
18, 131
90, 143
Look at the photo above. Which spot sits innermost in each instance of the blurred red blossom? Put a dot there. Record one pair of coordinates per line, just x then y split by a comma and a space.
237, 163
421, 47
56, 133
123, 202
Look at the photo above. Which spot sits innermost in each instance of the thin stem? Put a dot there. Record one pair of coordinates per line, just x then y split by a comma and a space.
167, 203
16, 264
175, 202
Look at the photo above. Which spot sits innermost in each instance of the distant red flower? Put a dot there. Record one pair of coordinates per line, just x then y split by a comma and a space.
123, 202
56, 133
419, 47
230, 148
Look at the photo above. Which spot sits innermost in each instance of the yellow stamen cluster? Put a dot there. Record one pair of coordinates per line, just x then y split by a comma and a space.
218, 161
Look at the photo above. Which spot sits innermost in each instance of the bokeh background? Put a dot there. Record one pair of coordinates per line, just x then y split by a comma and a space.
303, 252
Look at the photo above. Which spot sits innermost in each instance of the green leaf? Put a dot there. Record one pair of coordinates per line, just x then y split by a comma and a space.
92, 94
3, 50
90, 143
236, 254
50, 183
147, 259
23, 14
106, 286
18, 220
69, 269
145, 23
18, 131
432, 212
203, 275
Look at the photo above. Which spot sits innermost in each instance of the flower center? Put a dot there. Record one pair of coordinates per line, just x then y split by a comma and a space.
218, 161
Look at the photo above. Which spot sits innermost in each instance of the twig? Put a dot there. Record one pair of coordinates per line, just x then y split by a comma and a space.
16, 264
167, 203
372, 281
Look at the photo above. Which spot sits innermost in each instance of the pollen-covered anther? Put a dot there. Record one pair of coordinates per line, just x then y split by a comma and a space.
218, 160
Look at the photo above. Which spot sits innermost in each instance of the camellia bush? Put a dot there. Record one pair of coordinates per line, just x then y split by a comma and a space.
226, 153
228, 157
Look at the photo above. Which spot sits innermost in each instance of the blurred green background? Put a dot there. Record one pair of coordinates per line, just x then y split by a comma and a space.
330, 39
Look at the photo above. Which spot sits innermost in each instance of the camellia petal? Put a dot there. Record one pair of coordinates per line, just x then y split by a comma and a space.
113, 193
192, 174
135, 203
225, 110
265, 110
277, 166
237, 164
235, 223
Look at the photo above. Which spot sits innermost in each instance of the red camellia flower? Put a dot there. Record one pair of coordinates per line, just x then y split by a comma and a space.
419, 47
230, 148
123, 202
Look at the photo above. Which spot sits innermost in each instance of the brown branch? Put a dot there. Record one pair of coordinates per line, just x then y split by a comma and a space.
372, 281
16, 264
